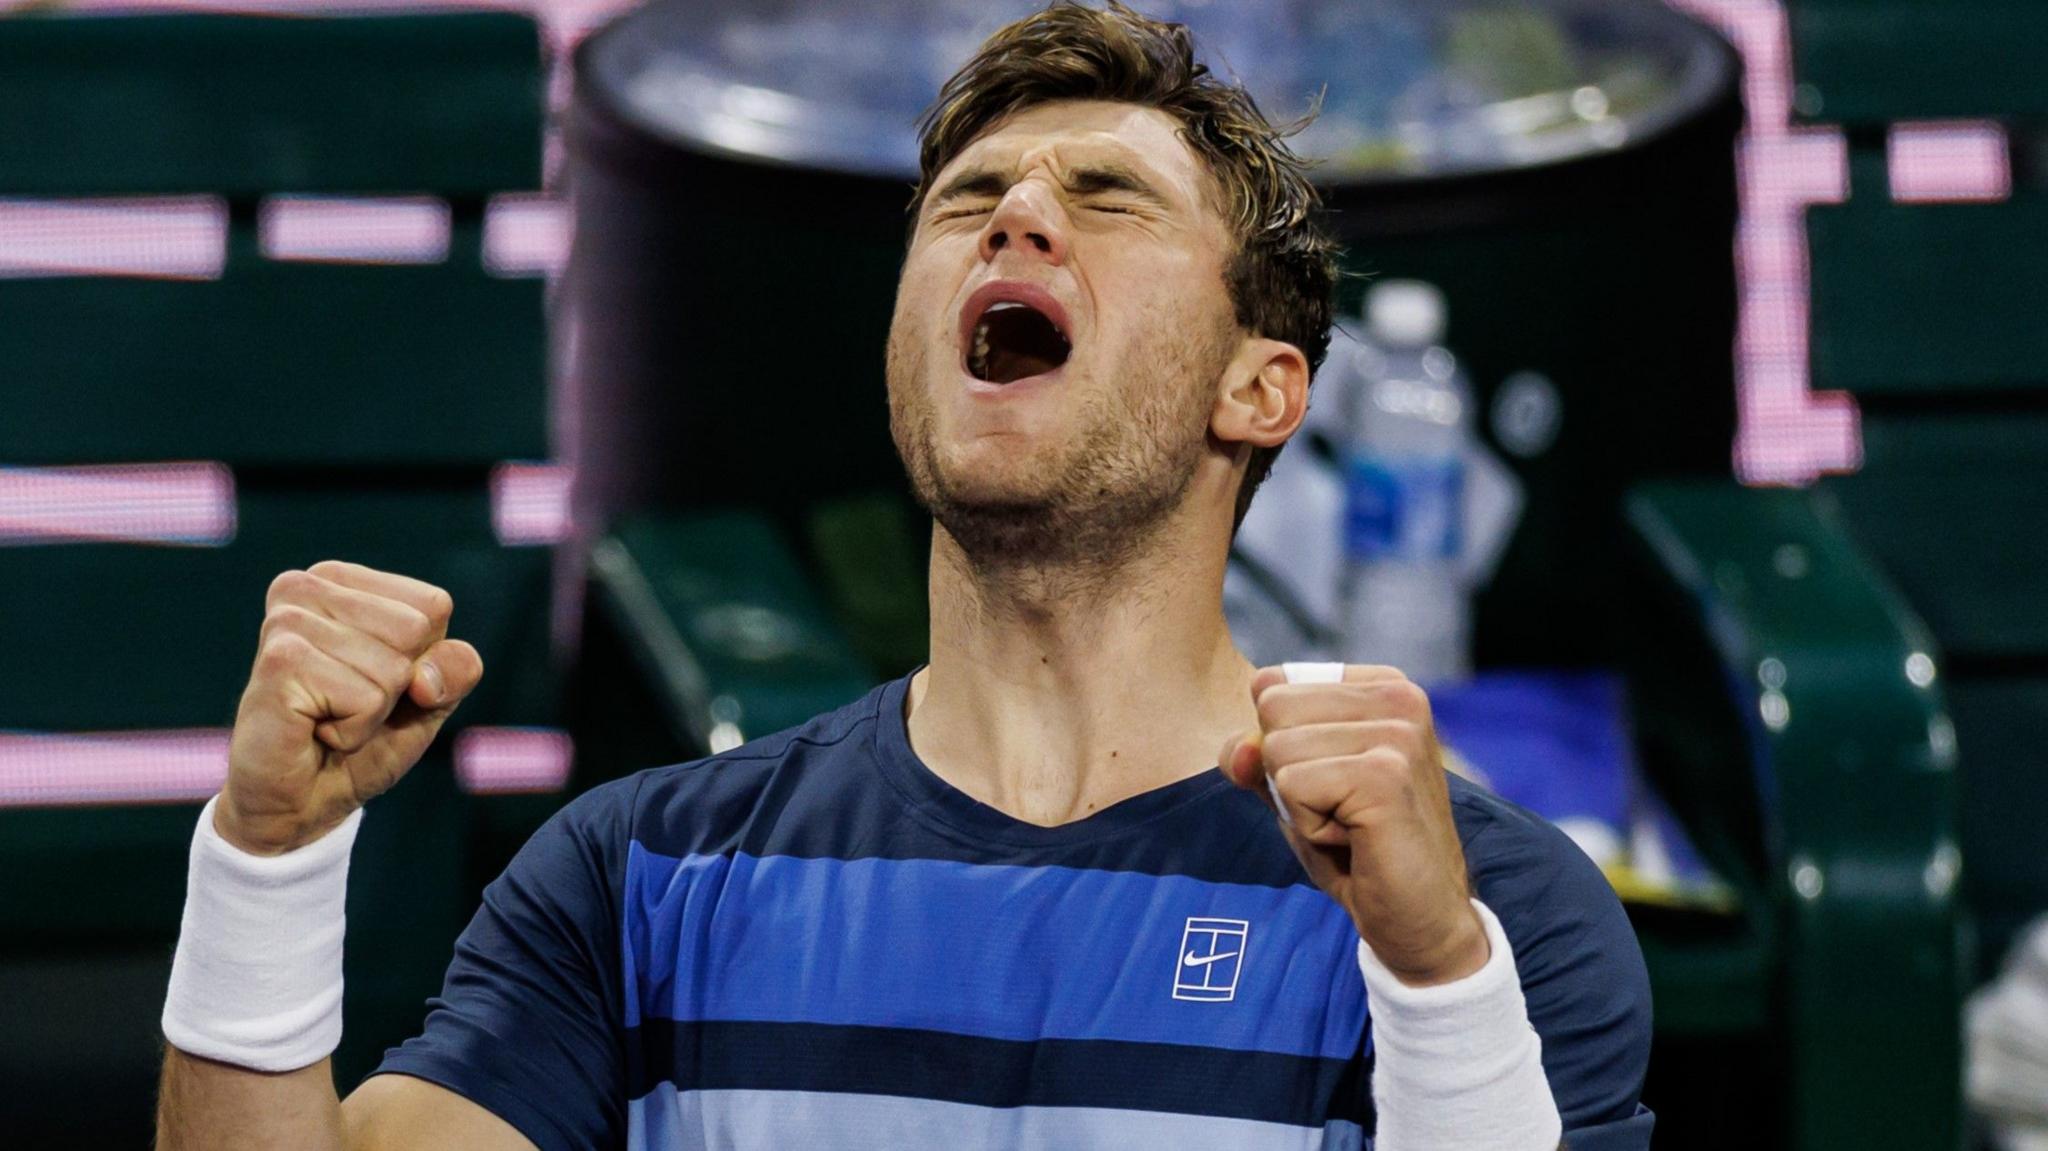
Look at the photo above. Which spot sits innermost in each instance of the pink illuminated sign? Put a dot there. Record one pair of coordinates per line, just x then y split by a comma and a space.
411, 230
498, 760
1948, 161
179, 503
187, 765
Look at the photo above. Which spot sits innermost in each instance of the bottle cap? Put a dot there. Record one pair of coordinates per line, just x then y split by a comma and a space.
1405, 313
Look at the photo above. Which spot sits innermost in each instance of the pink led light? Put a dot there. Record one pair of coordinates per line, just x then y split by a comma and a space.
51, 770
1942, 161
1802, 166
183, 503
1771, 333
500, 760
1771, 250
1788, 433
530, 503
525, 235
411, 230
186, 765
182, 237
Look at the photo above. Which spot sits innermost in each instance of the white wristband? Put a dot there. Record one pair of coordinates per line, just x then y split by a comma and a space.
1457, 1067
256, 980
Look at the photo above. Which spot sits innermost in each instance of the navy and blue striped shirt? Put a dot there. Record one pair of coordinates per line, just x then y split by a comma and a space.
813, 941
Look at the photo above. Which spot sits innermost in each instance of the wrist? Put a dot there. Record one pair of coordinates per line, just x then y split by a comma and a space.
236, 831
1462, 951
265, 835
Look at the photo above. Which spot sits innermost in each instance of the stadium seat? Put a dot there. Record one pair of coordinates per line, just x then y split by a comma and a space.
268, 366
1928, 299
1778, 710
361, 406
242, 106
698, 620
1953, 502
124, 614
1927, 312
1870, 61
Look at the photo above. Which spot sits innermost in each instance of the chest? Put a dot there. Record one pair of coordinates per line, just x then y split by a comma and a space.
1002, 953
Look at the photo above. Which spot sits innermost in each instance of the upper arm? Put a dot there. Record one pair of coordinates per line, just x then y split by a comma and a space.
1583, 978
529, 1028
401, 1113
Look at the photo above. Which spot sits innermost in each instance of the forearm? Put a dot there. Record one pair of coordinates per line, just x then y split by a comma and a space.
207, 1106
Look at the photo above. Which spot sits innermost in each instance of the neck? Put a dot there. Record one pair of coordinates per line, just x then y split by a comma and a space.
1055, 689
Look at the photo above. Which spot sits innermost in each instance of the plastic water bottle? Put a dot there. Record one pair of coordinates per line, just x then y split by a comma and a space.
1407, 423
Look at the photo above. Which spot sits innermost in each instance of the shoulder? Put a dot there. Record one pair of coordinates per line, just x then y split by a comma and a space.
1532, 875
1555, 904
1582, 972
713, 804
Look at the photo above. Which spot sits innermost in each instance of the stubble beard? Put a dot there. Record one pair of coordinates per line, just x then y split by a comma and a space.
1099, 501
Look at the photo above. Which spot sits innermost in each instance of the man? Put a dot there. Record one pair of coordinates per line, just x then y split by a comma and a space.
1003, 902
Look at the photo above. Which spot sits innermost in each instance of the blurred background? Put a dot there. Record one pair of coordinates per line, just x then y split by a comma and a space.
1687, 431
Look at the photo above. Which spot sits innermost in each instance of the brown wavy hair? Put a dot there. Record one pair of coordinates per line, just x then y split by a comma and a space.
1282, 277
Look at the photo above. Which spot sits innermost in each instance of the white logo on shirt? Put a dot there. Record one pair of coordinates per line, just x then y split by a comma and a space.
1211, 955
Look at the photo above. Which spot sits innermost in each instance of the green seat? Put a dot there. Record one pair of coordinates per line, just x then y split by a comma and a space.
361, 408
276, 364
1929, 315
87, 919
1954, 504
1819, 780
1875, 61
1999, 720
246, 106
699, 620
177, 627
1928, 298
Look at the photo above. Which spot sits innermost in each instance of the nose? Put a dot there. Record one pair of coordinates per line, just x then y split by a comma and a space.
1027, 220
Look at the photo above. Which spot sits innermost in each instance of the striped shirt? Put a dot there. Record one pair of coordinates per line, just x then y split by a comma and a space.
813, 941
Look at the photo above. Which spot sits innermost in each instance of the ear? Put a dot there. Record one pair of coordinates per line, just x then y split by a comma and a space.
1263, 394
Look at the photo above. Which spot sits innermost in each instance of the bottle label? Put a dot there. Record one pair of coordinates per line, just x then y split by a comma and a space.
1403, 509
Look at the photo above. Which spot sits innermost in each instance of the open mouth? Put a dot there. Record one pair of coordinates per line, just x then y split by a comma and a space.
1013, 341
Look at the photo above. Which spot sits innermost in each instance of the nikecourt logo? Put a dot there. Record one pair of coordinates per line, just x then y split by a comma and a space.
1211, 955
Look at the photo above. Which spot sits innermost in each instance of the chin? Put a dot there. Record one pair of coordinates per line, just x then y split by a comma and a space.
999, 475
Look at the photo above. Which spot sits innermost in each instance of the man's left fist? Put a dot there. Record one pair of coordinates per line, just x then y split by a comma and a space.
1356, 768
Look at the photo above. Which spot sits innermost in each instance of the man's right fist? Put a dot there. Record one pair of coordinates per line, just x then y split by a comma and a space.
354, 675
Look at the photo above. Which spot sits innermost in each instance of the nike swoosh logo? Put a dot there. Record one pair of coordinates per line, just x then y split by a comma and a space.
1193, 960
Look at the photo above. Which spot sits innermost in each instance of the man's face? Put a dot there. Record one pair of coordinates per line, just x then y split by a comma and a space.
1060, 326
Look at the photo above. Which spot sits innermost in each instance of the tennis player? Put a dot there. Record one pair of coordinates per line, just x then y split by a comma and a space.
1019, 898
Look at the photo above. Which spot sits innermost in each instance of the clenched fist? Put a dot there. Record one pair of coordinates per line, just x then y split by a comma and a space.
354, 676
1359, 779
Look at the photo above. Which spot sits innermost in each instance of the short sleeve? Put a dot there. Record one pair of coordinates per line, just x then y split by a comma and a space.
1582, 972
529, 1022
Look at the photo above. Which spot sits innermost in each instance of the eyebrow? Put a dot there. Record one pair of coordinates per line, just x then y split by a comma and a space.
1086, 180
